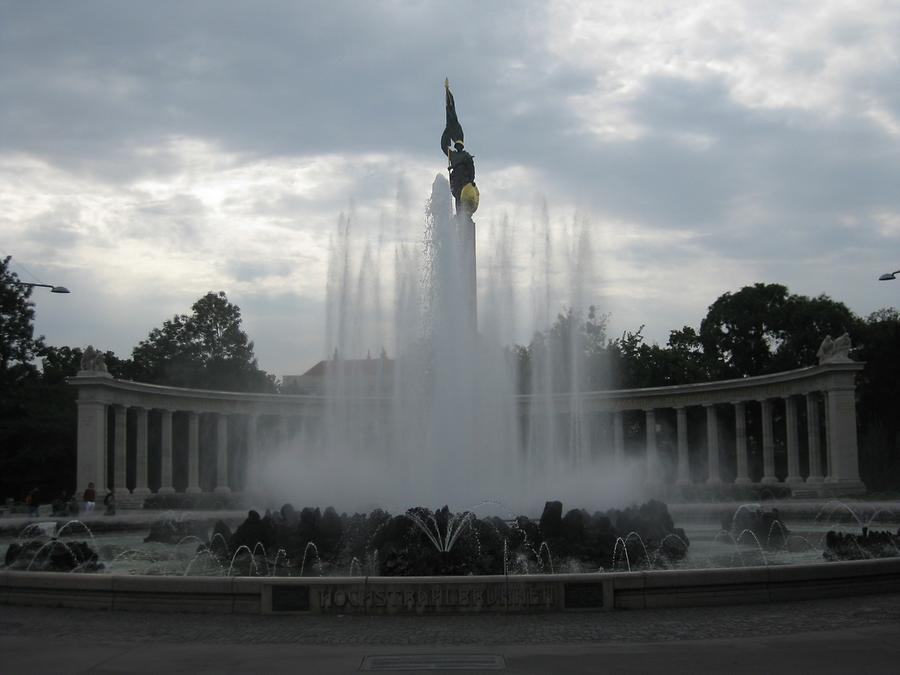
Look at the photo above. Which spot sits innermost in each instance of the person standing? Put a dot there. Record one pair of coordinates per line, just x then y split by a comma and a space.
89, 498
32, 501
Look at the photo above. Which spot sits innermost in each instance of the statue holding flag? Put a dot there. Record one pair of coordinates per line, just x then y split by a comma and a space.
460, 162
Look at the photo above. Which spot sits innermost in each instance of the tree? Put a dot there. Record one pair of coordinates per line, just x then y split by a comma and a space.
18, 345
763, 329
878, 344
206, 349
58, 363
37, 427
570, 355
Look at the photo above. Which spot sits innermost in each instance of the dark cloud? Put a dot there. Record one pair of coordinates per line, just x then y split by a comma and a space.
113, 91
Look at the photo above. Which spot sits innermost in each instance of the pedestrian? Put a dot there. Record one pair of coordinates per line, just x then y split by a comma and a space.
89, 498
110, 502
32, 501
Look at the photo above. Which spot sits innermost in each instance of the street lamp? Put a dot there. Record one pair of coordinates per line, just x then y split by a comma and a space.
888, 276
53, 289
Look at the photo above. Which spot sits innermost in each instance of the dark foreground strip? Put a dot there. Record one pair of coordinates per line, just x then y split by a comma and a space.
416, 662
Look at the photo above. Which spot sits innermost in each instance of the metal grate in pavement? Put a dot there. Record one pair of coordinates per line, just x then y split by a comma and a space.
411, 662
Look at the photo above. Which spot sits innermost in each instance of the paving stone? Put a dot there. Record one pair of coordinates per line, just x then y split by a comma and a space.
618, 626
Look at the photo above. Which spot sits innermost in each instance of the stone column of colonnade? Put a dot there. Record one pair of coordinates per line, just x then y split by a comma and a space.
167, 449
92, 442
222, 455
813, 436
166, 420
837, 402
684, 463
141, 487
792, 441
712, 446
120, 467
824, 395
740, 444
653, 468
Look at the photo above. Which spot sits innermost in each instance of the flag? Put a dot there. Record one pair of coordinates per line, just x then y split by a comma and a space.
452, 130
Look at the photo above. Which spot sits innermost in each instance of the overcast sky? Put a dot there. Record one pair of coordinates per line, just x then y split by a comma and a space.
151, 152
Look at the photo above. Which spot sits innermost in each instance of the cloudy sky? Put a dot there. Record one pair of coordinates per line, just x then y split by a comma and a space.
150, 152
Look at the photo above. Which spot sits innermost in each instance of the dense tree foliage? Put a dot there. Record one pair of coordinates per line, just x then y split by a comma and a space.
764, 329
207, 349
759, 329
18, 345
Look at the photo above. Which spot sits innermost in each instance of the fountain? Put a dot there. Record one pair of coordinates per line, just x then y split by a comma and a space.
449, 419
440, 421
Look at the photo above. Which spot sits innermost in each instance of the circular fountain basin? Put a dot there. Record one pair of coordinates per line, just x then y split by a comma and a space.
719, 569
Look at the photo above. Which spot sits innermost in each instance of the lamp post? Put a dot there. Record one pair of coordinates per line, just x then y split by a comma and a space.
888, 276
53, 289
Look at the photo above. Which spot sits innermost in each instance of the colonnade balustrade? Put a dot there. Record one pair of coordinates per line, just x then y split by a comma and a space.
723, 432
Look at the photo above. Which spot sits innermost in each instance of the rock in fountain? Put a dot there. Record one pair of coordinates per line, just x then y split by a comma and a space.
422, 542
868, 544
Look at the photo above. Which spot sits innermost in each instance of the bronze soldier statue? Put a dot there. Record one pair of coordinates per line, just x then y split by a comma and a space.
461, 163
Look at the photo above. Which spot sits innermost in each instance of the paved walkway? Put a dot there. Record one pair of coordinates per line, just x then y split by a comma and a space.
822, 636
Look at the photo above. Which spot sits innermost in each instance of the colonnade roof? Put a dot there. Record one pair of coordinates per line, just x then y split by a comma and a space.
102, 388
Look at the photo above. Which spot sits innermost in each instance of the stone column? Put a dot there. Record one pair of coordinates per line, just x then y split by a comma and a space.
193, 486
684, 462
140, 462
252, 440
768, 443
619, 436
283, 430
165, 452
252, 456
222, 455
653, 473
827, 455
740, 438
813, 439
91, 445
712, 445
843, 452
793, 442
120, 449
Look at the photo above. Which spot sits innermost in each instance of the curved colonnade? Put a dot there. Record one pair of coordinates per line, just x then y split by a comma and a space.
117, 418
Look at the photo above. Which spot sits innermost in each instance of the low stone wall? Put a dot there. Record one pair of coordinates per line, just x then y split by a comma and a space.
446, 595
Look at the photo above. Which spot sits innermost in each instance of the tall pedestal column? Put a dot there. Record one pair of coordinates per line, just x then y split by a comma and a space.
91, 444
222, 455
653, 469
165, 452
466, 228
684, 462
813, 439
193, 486
140, 462
120, 449
793, 440
712, 445
619, 436
768, 443
740, 442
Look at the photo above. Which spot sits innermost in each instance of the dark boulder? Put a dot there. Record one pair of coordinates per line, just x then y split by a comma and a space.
551, 520
52, 556
171, 531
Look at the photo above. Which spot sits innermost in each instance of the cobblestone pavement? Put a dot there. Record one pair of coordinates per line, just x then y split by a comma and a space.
661, 625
